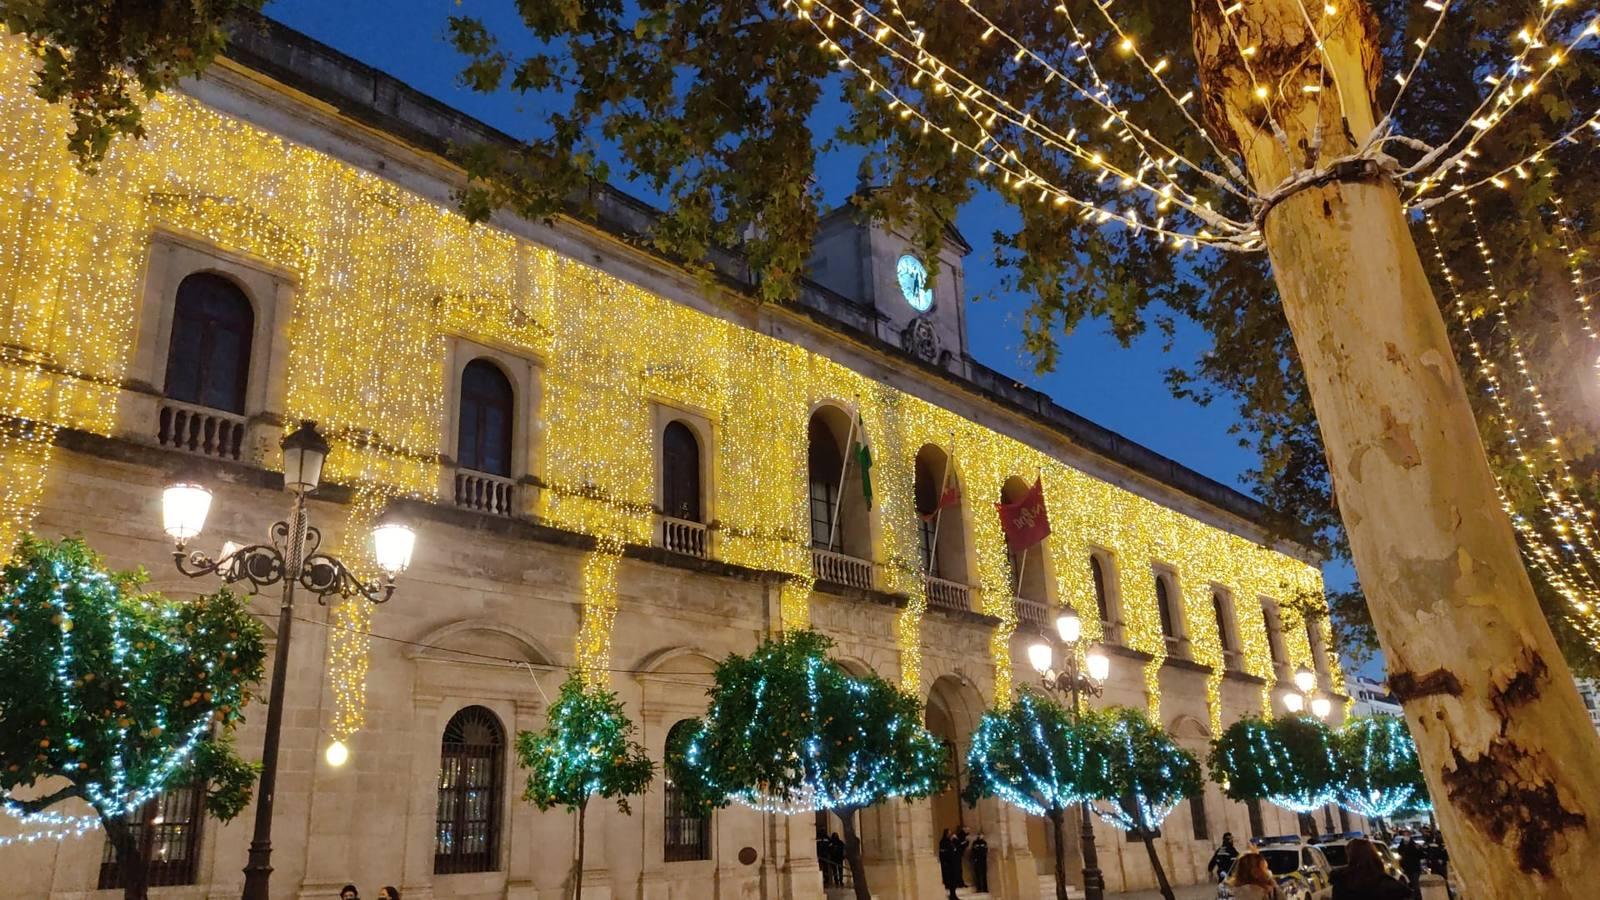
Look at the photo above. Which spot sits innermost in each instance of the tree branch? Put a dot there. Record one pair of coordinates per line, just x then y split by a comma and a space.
40, 804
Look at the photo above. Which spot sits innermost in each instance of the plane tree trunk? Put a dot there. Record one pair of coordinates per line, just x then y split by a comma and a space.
1511, 759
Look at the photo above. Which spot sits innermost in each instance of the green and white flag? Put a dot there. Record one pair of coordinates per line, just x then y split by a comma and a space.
863, 460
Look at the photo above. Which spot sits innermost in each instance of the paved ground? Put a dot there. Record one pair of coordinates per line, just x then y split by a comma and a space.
1191, 892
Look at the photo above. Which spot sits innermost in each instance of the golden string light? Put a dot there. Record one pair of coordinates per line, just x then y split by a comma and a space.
385, 280
1565, 498
1567, 577
1509, 88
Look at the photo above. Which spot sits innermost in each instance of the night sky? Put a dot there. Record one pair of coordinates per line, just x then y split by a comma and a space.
1121, 388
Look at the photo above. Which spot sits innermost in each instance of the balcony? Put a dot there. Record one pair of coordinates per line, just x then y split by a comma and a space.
841, 569
1031, 612
948, 594
683, 536
485, 493
198, 430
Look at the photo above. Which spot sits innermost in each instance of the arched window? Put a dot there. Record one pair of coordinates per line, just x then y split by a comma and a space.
824, 464
680, 472
208, 361
1219, 606
1102, 600
1169, 617
471, 781
687, 830
942, 532
487, 403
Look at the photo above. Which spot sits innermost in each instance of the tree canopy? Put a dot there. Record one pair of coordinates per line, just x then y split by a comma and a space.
104, 60
118, 692
1378, 767
1030, 754
788, 728
1289, 761
586, 749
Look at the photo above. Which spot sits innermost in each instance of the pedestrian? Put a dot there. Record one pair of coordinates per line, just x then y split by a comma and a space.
949, 862
1363, 877
1253, 879
389, 893
980, 864
824, 860
349, 892
836, 858
1222, 860
962, 840
1411, 856
1438, 859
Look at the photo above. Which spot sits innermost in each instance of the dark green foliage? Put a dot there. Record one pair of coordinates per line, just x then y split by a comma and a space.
789, 728
1031, 755
97, 677
105, 59
1145, 773
1378, 765
586, 749
1289, 761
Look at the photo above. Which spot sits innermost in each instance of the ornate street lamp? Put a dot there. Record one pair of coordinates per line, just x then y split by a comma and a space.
1305, 695
1075, 682
291, 557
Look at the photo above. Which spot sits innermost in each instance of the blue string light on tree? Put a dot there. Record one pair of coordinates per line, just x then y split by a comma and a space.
1287, 761
1381, 773
136, 690
789, 731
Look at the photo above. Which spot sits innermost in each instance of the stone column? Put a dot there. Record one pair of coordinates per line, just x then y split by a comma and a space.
422, 807
521, 856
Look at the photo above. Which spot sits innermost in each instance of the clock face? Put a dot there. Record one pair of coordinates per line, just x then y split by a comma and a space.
914, 283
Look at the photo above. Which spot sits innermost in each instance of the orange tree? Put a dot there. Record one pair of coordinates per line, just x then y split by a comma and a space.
788, 730
111, 694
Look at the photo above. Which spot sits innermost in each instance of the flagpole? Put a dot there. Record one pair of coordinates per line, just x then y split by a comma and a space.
938, 505
849, 442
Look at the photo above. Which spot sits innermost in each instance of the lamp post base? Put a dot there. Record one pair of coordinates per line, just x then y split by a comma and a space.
258, 872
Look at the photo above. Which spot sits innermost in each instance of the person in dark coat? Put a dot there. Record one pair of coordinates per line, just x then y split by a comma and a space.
980, 864
1222, 860
836, 858
1411, 856
949, 863
962, 840
1438, 859
823, 860
1363, 877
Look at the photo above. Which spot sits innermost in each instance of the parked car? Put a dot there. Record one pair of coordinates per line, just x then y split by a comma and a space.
1302, 870
1333, 847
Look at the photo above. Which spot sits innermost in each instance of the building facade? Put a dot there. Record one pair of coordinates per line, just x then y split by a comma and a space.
611, 467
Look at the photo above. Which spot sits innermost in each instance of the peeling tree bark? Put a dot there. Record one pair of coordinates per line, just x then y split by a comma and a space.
1510, 757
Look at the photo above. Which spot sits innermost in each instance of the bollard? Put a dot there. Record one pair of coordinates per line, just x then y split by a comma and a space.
1433, 887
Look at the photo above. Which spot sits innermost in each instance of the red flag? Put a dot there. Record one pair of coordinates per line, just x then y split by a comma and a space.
1025, 522
950, 497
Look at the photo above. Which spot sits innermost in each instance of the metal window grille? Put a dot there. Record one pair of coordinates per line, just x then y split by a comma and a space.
824, 497
930, 563
471, 766
167, 830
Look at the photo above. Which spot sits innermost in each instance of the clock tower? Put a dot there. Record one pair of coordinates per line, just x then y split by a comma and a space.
919, 298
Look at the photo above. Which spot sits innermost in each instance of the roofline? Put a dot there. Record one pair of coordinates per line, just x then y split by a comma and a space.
388, 105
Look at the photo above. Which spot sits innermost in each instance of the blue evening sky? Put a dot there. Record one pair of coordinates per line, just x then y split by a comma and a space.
1121, 388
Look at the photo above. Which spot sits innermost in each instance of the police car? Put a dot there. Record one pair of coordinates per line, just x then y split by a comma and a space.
1302, 870
1333, 846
